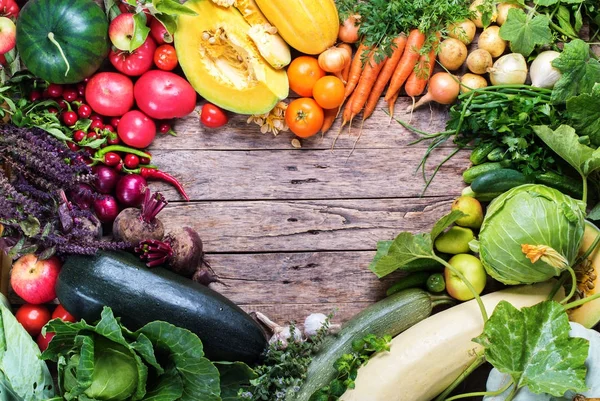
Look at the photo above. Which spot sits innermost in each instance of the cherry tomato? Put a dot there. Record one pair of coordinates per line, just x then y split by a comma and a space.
212, 116
84, 111
69, 94
95, 116
108, 127
79, 135
72, 146
96, 124
303, 72
131, 161
61, 313
111, 159
53, 110
81, 89
69, 118
35, 96
115, 121
54, 90
164, 128
328, 92
145, 160
134, 63
159, 32
43, 341
136, 129
113, 139
109, 94
33, 318
92, 135
165, 57
163, 95
304, 117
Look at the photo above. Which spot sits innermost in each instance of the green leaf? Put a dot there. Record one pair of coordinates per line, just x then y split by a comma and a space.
169, 23
445, 222
30, 226
533, 346
234, 376
545, 3
565, 142
112, 9
20, 366
580, 72
140, 31
172, 7
584, 114
564, 20
168, 387
404, 249
85, 365
382, 249
55, 132
524, 32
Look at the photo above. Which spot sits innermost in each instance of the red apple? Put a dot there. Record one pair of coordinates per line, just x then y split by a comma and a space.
8, 35
120, 31
34, 279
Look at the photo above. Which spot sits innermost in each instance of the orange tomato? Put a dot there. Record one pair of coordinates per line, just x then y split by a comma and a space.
303, 72
304, 117
329, 92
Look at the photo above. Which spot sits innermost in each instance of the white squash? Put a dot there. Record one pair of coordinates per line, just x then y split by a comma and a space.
425, 359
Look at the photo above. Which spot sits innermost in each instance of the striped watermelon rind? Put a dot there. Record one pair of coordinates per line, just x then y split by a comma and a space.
79, 26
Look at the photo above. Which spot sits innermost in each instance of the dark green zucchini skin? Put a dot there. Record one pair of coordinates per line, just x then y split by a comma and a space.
140, 295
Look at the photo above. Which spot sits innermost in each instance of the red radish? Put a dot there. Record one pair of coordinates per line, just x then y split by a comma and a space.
443, 88
106, 179
159, 32
134, 225
130, 190
106, 209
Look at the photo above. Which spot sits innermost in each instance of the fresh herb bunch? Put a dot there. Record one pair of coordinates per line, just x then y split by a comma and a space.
347, 366
283, 371
383, 20
36, 171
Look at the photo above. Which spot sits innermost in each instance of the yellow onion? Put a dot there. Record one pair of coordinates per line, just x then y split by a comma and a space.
333, 59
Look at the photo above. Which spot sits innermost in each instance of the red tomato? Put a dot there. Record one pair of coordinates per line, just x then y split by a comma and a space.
136, 129
109, 94
33, 318
165, 57
134, 63
163, 95
212, 116
304, 117
43, 341
61, 313
159, 32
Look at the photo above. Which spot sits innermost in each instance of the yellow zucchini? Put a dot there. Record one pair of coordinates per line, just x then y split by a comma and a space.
309, 26
429, 356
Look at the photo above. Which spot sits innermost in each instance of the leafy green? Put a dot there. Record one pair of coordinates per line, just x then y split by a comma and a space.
22, 373
234, 375
584, 114
533, 346
525, 32
159, 362
580, 71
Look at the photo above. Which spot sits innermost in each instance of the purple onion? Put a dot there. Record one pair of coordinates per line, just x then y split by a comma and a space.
106, 179
130, 190
107, 209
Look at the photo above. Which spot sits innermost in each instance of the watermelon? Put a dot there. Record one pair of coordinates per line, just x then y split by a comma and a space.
62, 41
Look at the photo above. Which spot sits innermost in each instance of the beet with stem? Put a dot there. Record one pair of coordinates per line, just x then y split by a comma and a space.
135, 225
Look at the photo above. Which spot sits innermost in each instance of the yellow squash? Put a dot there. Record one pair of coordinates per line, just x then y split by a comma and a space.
222, 62
309, 26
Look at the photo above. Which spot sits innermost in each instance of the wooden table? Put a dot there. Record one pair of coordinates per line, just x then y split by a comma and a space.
292, 231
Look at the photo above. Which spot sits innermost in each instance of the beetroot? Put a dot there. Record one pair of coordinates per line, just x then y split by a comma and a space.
134, 225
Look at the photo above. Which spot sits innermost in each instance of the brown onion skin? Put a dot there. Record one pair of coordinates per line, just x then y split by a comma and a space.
348, 32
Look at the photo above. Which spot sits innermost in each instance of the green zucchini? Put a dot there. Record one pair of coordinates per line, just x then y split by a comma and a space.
496, 155
414, 280
473, 172
500, 180
390, 316
479, 154
568, 185
139, 295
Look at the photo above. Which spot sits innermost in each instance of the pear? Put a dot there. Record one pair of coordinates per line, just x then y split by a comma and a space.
471, 208
455, 240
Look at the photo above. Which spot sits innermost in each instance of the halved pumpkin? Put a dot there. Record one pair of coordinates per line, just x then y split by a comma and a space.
588, 284
222, 62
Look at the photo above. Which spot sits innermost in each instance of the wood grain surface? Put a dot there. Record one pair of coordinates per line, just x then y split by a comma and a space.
292, 231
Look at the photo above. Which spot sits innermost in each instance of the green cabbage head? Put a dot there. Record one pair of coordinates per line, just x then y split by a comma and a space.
530, 234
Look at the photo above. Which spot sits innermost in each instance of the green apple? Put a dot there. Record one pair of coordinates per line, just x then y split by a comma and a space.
472, 269
455, 240
471, 208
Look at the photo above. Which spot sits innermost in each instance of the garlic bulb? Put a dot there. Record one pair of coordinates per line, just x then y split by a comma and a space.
315, 322
542, 73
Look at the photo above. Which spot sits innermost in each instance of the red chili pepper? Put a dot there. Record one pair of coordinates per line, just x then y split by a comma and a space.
156, 174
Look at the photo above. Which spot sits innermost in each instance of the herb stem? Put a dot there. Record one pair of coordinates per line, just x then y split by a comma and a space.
581, 301
482, 393
479, 360
573, 286
588, 251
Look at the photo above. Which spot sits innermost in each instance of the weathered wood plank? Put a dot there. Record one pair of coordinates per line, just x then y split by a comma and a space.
311, 174
378, 132
303, 226
283, 313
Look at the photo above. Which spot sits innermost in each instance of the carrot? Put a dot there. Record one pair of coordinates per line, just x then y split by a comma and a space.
391, 104
406, 64
355, 70
417, 81
330, 115
346, 71
385, 75
365, 84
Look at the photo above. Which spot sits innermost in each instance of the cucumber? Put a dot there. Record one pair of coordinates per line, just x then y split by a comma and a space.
479, 154
139, 295
481, 197
473, 172
568, 185
390, 316
496, 155
500, 180
415, 280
